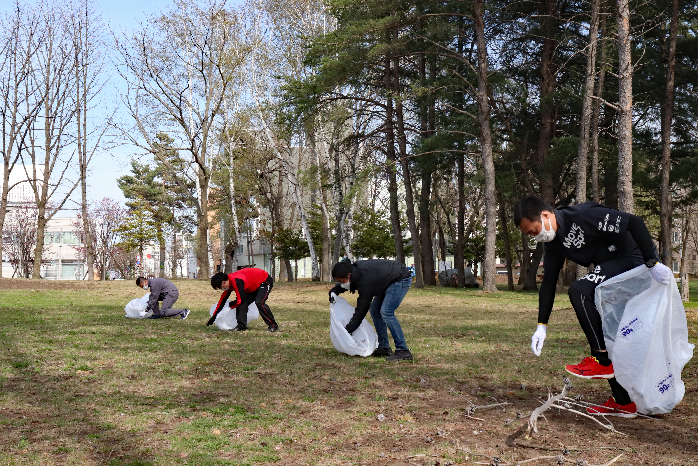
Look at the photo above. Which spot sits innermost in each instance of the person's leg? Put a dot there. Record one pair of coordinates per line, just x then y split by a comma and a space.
379, 324
261, 299
581, 295
392, 300
241, 314
167, 303
156, 311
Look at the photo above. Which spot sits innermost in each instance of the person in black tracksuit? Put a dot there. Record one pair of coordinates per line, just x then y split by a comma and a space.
588, 233
382, 284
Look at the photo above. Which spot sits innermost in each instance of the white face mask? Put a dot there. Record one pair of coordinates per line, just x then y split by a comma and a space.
145, 287
345, 285
545, 236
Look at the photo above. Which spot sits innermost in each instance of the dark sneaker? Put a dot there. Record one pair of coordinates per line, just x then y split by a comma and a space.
153, 317
400, 355
273, 328
382, 352
611, 407
590, 368
185, 313
239, 328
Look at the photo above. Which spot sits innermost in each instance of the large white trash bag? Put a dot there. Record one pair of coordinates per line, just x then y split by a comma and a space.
136, 307
226, 318
362, 342
644, 325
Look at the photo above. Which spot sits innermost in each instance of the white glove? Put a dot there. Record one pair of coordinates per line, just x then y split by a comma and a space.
537, 339
661, 273
333, 297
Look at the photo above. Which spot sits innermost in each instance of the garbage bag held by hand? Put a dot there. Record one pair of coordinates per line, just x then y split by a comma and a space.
644, 325
362, 342
226, 319
136, 307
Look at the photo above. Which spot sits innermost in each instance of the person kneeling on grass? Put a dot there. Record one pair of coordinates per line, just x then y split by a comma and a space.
251, 285
382, 284
614, 242
165, 291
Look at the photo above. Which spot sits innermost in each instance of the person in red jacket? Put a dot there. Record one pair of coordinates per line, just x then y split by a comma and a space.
250, 285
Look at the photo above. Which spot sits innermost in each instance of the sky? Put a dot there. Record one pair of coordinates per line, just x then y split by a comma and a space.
118, 16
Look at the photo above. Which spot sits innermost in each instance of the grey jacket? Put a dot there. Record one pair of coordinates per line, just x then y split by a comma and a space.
159, 289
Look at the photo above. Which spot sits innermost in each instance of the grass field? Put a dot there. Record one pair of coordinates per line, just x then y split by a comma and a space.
81, 384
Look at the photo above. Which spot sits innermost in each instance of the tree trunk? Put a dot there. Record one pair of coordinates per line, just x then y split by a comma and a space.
201, 246
425, 238
547, 105
407, 179
685, 235
665, 202
507, 244
596, 115
525, 260
489, 267
458, 257
583, 152
532, 272
625, 113
391, 168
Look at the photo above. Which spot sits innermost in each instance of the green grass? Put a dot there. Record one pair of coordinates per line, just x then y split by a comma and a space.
81, 384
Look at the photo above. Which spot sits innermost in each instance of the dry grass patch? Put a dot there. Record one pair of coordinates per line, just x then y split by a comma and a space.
82, 385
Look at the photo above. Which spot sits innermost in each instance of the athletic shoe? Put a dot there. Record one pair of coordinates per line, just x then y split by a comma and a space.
185, 313
400, 355
273, 328
239, 328
590, 368
382, 352
611, 407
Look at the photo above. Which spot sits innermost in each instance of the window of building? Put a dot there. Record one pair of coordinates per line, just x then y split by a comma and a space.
676, 266
52, 237
70, 238
675, 237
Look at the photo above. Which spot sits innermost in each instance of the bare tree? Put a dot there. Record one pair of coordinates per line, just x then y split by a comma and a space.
665, 201
489, 267
104, 220
85, 24
180, 69
20, 236
18, 104
625, 109
46, 154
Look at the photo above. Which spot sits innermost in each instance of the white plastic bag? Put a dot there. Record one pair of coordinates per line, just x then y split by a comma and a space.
136, 307
362, 342
644, 325
226, 318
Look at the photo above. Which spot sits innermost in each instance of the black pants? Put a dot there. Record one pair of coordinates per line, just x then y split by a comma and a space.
259, 298
581, 295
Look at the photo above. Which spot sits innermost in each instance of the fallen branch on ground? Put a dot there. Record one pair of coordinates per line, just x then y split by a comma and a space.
533, 419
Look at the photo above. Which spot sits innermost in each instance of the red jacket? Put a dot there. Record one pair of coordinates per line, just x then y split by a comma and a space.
249, 279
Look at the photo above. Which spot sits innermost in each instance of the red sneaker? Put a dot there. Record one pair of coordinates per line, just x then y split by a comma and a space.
590, 368
611, 407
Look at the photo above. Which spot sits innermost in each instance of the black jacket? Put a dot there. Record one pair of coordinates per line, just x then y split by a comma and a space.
590, 233
371, 278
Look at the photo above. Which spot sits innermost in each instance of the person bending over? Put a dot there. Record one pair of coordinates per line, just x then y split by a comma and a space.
382, 284
164, 291
251, 285
614, 242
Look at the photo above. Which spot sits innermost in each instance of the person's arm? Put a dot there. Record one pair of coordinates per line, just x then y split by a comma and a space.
363, 303
155, 290
552, 265
238, 286
639, 232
